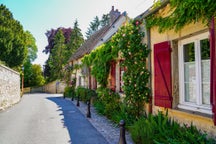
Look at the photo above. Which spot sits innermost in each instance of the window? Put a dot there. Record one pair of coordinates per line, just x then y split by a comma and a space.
121, 79
194, 73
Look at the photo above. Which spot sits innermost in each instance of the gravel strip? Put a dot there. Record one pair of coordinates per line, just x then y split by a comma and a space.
106, 127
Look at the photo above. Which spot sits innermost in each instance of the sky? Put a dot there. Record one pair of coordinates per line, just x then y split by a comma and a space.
39, 16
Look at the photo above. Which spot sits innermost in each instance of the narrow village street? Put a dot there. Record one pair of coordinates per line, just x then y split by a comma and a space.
46, 119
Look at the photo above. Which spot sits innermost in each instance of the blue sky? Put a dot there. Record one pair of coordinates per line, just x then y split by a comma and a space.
38, 16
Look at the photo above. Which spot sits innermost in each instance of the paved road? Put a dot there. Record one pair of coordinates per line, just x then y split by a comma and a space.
46, 119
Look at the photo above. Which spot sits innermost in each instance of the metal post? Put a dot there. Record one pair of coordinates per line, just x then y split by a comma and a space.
88, 109
122, 139
78, 104
72, 96
64, 95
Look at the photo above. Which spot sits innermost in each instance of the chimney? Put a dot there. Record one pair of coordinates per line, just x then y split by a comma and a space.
114, 14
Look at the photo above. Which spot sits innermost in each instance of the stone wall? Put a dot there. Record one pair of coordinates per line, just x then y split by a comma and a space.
55, 87
9, 87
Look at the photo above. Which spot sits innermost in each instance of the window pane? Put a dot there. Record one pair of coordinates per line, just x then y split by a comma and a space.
189, 52
205, 70
205, 49
190, 92
189, 73
206, 93
190, 81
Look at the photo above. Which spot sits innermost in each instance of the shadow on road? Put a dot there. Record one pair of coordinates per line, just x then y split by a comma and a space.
79, 128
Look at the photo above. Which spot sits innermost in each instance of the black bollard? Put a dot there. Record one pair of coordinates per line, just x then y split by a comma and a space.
88, 110
78, 104
72, 97
122, 132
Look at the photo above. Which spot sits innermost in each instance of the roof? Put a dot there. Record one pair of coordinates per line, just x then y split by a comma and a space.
151, 11
91, 42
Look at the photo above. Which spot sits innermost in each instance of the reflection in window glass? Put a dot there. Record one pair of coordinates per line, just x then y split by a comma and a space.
189, 72
189, 52
205, 70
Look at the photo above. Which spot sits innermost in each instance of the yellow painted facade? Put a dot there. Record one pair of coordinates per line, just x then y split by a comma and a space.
201, 121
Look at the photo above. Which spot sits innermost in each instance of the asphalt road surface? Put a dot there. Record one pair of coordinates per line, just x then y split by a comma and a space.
46, 119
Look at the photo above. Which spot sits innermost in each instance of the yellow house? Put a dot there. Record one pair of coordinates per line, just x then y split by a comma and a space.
183, 69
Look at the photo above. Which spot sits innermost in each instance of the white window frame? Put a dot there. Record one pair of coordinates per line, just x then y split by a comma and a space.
198, 106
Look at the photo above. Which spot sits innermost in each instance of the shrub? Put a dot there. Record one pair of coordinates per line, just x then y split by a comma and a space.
160, 129
109, 100
69, 91
85, 94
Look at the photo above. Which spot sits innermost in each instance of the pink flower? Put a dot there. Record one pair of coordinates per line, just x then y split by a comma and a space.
137, 22
123, 35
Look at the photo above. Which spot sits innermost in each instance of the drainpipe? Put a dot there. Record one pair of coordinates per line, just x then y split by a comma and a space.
149, 64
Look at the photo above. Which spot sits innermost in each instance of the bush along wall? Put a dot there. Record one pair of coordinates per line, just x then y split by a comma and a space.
85, 94
128, 42
160, 129
144, 129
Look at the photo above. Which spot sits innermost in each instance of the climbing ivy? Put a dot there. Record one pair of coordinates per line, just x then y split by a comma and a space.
183, 13
136, 77
126, 43
99, 60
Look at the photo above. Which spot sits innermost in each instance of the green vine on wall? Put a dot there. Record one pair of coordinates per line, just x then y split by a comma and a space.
183, 13
99, 60
136, 77
128, 43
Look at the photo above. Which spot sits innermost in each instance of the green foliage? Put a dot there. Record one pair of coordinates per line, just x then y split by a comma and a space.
85, 94
183, 13
33, 75
13, 45
56, 59
96, 24
99, 60
76, 40
69, 91
29, 69
160, 129
105, 20
31, 45
93, 27
109, 100
129, 41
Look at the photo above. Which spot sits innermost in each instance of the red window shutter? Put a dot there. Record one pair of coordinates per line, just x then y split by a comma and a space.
162, 75
213, 69
113, 76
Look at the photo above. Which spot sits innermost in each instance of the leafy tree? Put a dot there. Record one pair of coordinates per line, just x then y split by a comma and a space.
12, 39
37, 75
57, 60
76, 39
31, 45
105, 20
96, 24
50, 37
93, 27
29, 72
48, 49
